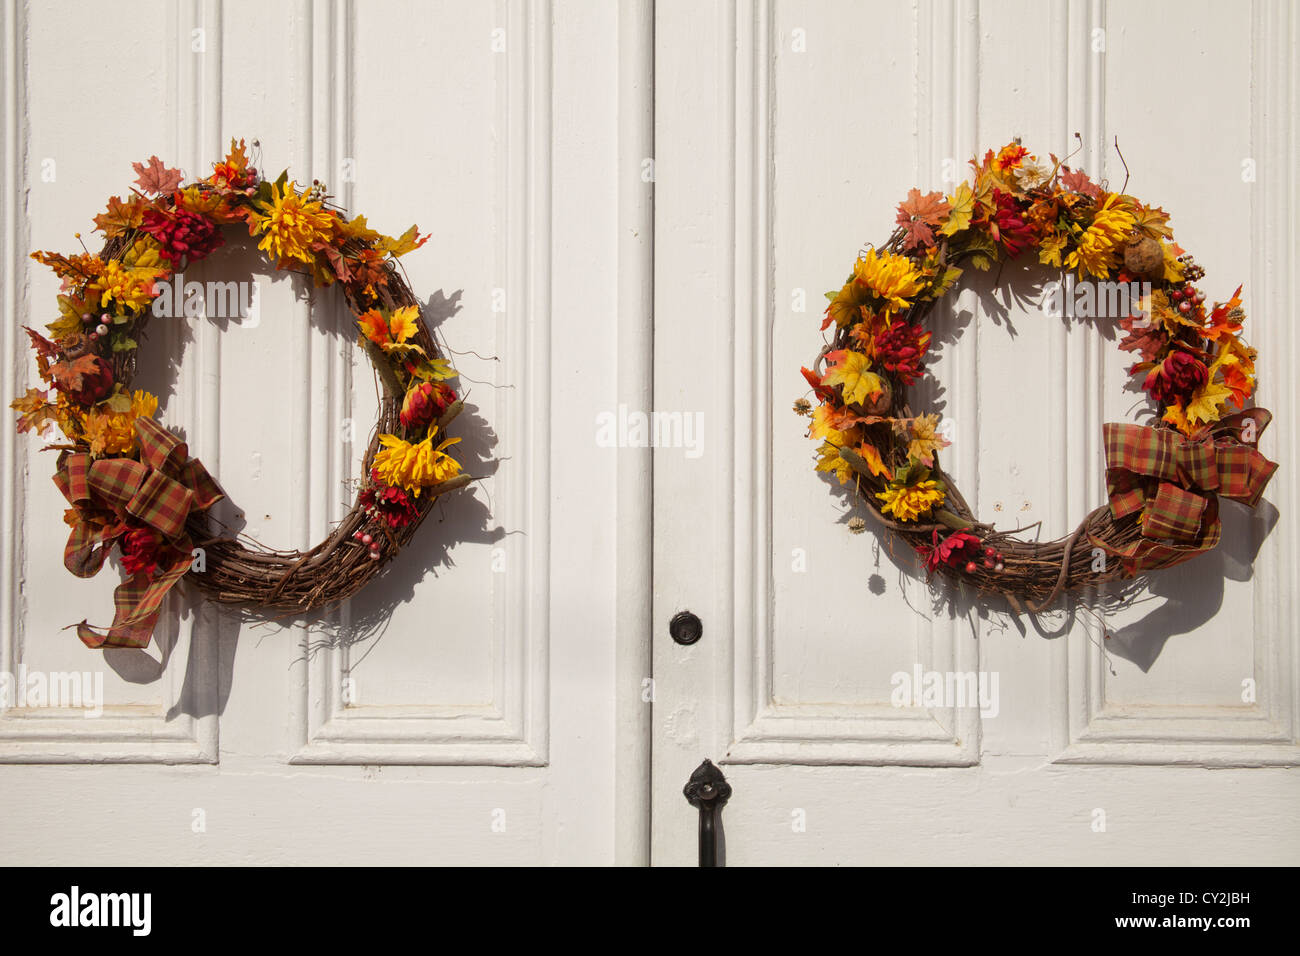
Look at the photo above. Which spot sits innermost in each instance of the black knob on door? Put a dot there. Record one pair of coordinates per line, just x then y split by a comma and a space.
685, 628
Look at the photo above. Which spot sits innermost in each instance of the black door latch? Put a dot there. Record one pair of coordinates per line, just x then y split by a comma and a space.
708, 791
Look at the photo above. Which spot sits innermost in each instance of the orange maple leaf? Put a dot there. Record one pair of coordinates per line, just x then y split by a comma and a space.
374, 327
120, 217
1239, 383
1223, 323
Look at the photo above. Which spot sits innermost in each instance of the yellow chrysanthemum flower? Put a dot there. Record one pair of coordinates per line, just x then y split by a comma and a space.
414, 467
890, 277
132, 287
291, 225
909, 502
1098, 247
113, 433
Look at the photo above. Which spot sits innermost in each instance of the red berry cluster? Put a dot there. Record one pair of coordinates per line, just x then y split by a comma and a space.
992, 561
369, 540
383, 503
960, 549
1187, 298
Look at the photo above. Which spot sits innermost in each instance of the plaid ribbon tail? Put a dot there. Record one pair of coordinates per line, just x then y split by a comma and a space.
1173, 484
138, 604
111, 495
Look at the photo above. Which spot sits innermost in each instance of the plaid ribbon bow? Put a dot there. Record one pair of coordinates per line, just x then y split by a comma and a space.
1174, 484
112, 496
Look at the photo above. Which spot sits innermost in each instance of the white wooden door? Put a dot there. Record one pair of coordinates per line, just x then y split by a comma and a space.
491, 699
786, 133
463, 708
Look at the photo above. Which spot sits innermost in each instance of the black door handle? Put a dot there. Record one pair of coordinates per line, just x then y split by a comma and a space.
708, 791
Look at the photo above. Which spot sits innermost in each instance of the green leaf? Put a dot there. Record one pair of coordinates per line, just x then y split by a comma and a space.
124, 344
911, 473
944, 282
434, 370
119, 401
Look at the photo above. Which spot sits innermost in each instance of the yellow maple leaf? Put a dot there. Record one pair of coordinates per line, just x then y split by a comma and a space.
404, 323
1173, 268
962, 203
409, 240
206, 202
925, 440
829, 460
34, 410
1151, 221
1204, 406
71, 308
846, 307
852, 370
143, 258
1050, 249
823, 427
358, 229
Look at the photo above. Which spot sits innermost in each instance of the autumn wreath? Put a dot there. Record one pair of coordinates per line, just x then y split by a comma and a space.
130, 482
1164, 479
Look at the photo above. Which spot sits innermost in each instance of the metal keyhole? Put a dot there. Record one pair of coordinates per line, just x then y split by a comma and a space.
685, 628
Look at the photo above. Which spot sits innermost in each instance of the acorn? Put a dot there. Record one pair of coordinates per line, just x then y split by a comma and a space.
1144, 257
882, 402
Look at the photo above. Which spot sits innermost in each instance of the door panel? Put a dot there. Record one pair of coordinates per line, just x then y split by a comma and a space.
459, 709
786, 132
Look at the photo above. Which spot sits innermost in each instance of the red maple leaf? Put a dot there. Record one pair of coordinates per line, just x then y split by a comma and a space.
918, 215
815, 380
156, 178
1144, 337
1076, 180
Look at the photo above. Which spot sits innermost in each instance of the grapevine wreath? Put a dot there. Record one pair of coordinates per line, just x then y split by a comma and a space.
1163, 480
131, 483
